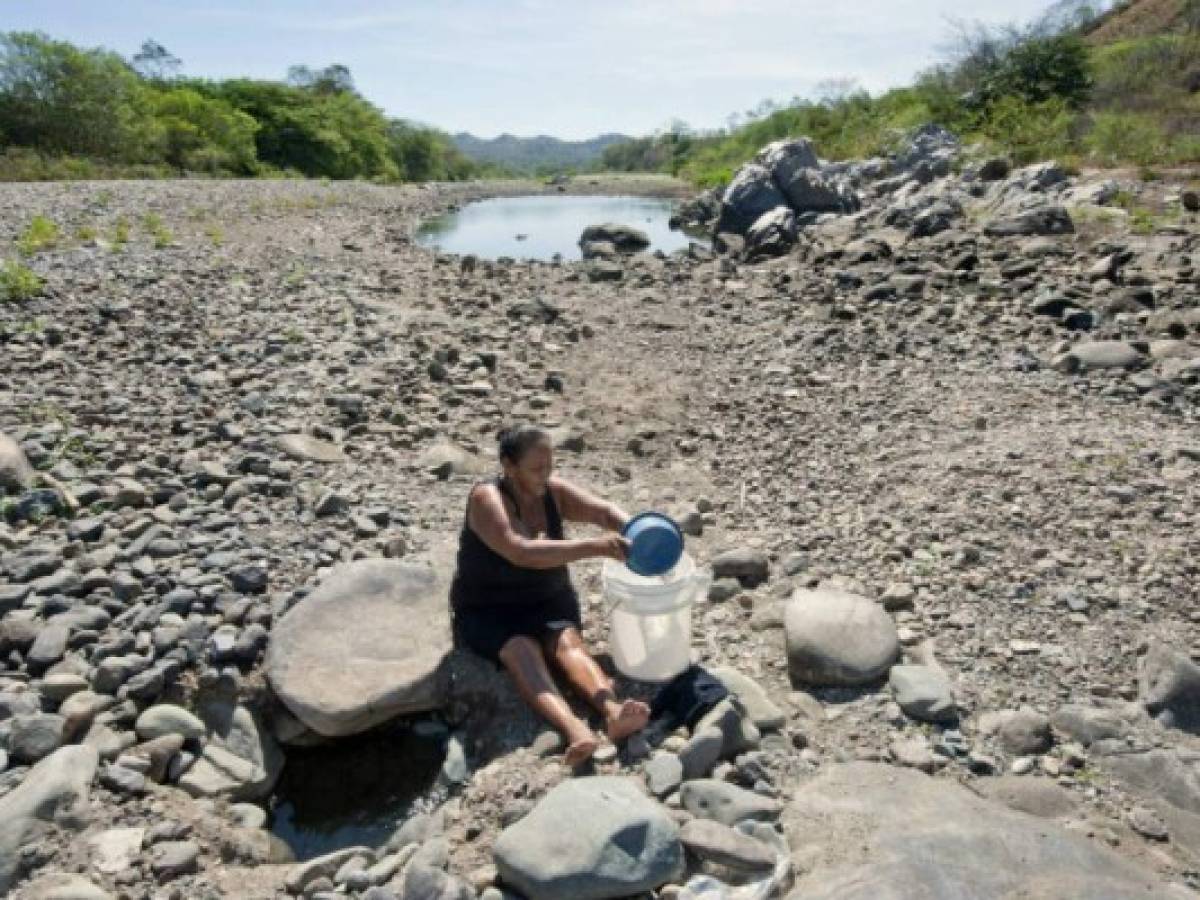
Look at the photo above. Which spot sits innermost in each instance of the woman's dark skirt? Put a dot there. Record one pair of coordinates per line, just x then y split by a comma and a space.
485, 628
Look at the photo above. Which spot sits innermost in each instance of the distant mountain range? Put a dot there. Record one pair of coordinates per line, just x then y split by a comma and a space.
535, 153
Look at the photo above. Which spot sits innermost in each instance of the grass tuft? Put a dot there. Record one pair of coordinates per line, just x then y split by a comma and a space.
18, 282
41, 234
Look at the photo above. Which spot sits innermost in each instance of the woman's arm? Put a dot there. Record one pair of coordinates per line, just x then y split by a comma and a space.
488, 518
579, 505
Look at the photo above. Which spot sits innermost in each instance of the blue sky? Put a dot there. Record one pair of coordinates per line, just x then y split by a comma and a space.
570, 68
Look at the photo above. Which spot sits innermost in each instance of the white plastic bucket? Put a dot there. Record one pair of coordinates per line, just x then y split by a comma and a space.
650, 618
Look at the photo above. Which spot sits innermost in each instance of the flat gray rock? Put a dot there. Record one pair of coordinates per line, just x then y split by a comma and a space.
445, 459
762, 712
923, 693
1169, 775
750, 567
167, 718
713, 842
33, 737
240, 760
1019, 731
590, 839
365, 646
1045, 220
309, 449
55, 790
727, 803
1092, 355
664, 773
894, 834
1088, 724
838, 638
63, 886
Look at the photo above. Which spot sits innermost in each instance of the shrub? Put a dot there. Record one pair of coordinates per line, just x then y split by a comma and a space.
40, 234
1029, 131
1117, 137
120, 234
157, 229
18, 282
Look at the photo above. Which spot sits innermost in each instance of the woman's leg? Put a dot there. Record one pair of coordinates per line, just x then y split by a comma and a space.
522, 657
621, 718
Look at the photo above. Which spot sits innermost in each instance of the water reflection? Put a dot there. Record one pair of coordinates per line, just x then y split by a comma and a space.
540, 227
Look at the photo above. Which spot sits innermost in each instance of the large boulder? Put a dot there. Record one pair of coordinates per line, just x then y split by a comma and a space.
838, 638
812, 191
54, 792
366, 645
1170, 688
16, 474
623, 238
875, 832
751, 193
590, 839
783, 159
773, 234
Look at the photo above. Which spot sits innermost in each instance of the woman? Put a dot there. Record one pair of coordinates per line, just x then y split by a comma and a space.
512, 597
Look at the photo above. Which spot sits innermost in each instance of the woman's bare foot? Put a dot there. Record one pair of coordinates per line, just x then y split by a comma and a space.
625, 718
580, 750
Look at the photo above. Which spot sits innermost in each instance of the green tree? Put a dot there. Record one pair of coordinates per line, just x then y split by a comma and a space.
339, 135
425, 154
1040, 69
195, 132
57, 98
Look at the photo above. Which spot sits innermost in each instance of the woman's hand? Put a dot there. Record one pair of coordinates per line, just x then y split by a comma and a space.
612, 546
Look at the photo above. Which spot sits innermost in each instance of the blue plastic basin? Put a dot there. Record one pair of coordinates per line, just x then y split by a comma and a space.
656, 543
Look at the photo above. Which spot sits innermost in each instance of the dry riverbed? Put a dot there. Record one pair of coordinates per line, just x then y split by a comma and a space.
1028, 525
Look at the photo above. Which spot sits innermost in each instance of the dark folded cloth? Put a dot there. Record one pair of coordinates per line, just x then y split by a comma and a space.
688, 696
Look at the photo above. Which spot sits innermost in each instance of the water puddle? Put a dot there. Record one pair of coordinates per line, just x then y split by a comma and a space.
545, 226
356, 791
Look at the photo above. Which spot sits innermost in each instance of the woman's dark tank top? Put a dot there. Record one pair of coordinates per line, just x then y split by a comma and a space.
483, 577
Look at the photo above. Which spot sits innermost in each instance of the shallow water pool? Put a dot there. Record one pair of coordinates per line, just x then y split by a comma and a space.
541, 227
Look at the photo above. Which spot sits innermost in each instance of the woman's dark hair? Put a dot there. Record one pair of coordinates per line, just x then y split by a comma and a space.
517, 440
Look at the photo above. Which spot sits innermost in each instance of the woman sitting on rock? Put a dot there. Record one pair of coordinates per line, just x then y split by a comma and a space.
512, 597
